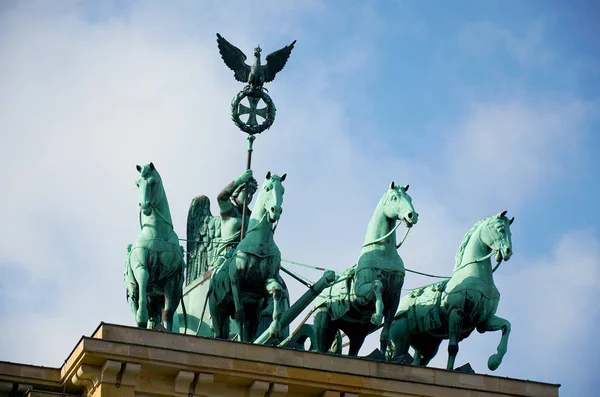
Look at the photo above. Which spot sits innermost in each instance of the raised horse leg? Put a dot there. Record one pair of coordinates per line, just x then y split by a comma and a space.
275, 289
366, 293
455, 320
496, 323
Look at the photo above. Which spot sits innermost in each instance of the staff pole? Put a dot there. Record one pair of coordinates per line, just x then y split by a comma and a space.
251, 139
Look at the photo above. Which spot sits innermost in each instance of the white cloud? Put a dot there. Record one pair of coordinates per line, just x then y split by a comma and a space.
528, 48
508, 153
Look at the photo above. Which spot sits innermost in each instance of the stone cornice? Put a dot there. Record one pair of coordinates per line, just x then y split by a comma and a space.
181, 365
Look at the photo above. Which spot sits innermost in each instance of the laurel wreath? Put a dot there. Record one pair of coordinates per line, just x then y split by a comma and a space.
235, 111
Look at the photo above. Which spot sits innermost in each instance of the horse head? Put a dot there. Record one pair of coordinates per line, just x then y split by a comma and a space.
398, 205
272, 192
497, 235
148, 185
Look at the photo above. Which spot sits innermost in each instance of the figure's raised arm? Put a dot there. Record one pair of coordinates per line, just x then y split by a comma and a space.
224, 198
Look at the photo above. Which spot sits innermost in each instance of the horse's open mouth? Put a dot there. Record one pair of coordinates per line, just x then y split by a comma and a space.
408, 223
272, 220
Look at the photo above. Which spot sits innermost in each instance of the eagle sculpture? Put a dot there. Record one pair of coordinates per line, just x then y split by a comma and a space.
257, 74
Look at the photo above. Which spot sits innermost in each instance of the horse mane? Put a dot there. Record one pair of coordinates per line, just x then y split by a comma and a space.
467, 238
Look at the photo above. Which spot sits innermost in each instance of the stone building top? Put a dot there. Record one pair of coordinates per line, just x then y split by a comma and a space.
125, 361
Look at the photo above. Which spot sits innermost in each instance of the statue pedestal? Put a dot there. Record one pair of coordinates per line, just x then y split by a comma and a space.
127, 361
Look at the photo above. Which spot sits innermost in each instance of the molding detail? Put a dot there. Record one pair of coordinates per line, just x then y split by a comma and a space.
87, 376
129, 373
202, 382
330, 393
183, 381
258, 388
109, 371
6, 387
278, 390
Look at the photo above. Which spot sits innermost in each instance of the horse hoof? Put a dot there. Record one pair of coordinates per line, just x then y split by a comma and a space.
494, 362
377, 319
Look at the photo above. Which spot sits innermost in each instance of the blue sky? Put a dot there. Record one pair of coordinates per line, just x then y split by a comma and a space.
479, 106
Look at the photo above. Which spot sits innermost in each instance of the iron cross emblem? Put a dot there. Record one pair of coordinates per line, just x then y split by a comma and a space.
253, 110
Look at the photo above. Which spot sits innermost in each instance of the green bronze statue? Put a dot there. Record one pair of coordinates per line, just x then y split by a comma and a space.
209, 237
154, 270
453, 308
257, 74
231, 205
242, 285
371, 291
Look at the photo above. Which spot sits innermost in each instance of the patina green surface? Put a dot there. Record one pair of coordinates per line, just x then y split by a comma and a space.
452, 309
255, 75
210, 237
237, 248
241, 285
371, 291
154, 269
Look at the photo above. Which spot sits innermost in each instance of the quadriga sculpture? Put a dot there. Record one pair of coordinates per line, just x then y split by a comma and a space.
241, 285
453, 308
154, 270
372, 289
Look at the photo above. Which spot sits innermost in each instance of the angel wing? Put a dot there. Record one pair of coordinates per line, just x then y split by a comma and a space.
234, 58
276, 61
203, 234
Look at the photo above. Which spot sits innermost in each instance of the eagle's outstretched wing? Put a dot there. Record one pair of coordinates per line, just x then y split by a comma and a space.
234, 58
203, 234
276, 61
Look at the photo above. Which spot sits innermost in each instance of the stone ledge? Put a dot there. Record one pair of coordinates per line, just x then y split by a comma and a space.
168, 363
322, 362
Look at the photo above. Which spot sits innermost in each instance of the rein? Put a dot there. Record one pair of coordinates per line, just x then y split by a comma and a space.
260, 221
398, 223
477, 260
159, 214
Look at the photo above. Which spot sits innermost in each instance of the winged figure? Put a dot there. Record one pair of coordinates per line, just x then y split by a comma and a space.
257, 74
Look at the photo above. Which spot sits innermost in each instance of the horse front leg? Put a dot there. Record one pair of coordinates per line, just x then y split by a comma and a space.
366, 292
275, 289
140, 272
173, 291
496, 323
377, 317
235, 275
384, 338
455, 320
400, 336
